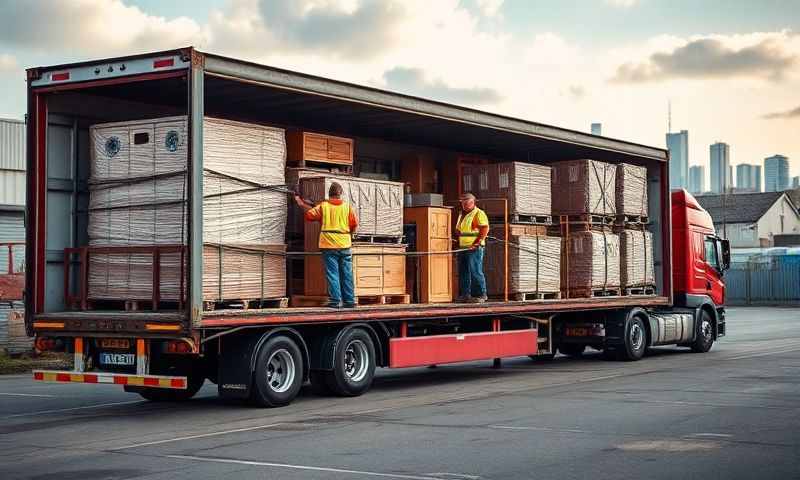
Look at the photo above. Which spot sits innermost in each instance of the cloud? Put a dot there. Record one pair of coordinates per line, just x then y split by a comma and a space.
489, 8
8, 63
91, 27
622, 3
712, 57
338, 27
413, 81
576, 91
793, 113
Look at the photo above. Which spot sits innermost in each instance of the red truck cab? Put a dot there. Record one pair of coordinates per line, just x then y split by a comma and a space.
699, 257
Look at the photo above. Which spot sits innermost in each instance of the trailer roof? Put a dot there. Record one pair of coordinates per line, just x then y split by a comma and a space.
365, 111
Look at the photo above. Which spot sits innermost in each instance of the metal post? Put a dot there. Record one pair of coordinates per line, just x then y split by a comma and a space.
195, 190
79, 355
142, 357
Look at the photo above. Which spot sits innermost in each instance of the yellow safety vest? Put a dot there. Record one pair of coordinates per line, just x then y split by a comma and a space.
467, 234
335, 231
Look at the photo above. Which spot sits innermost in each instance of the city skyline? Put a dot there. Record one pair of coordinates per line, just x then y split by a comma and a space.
720, 167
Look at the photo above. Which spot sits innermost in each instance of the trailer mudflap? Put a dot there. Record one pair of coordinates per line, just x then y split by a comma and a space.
153, 381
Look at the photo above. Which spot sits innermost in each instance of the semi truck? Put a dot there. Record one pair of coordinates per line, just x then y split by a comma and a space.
265, 355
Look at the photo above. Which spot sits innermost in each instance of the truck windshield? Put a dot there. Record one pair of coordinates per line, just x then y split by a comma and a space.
711, 252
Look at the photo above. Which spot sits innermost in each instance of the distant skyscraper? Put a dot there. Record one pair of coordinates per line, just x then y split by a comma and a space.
597, 129
757, 177
678, 145
720, 167
746, 177
697, 179
776, 173
795, 182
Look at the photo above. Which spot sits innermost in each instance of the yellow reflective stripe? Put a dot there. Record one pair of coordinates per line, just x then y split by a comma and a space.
138, 381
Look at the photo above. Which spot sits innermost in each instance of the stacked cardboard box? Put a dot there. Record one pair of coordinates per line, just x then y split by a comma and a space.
592, 262
584, 187
533, 262
138, 197
636, 257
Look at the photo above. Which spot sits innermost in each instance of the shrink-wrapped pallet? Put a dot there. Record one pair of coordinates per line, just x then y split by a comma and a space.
583, 187
533, 264
631, 190
378, 204
636, 258
138, 192
243, 272
526, 186
592, 261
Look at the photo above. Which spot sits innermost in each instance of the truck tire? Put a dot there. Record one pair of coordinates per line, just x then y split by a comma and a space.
705, 334
278, 374
353, 364
572, 349
193, 384
635, 340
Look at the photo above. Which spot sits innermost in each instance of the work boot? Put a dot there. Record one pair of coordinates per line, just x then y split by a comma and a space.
332, 305
349, 305
481, 299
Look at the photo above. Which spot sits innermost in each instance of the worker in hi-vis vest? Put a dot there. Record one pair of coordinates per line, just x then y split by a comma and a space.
339, 222
472, 228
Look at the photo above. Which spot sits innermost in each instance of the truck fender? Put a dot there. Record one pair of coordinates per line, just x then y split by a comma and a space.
237, 359
615, 326
322, 357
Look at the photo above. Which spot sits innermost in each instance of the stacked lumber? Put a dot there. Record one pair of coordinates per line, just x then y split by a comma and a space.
138, 191
584, 187
526, 186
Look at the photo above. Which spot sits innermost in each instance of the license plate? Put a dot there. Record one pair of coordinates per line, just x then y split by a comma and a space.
123, 359
119, 343
577, 332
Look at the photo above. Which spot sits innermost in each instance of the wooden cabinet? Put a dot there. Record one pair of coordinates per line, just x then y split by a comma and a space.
302, 147
433, 235
381, 273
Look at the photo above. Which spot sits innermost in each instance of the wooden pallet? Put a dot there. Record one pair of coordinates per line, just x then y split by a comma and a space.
632, 220
639, 290
391, 239
246, 304
322, 300
594, 292
533, 296
528, 219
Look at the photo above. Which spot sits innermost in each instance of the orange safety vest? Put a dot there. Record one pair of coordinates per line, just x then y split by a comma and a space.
335, 231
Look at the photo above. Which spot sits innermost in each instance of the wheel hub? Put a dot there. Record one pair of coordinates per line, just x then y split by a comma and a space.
356, 360
280, 371
636, 336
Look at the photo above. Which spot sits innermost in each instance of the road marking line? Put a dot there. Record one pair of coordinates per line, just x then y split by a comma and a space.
192, 437
714, 435
541, 429
60, 410
763, 354
301, 467
27, 395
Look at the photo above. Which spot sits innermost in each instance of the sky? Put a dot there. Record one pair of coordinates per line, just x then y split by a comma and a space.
729, 68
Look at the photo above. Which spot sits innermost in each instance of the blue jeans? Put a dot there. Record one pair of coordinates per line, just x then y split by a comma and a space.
470, 273
339, 275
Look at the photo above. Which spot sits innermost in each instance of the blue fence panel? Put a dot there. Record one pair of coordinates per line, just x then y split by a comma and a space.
773, 279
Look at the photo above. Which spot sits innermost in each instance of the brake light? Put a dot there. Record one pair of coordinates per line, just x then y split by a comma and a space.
59, 77
45, 344
163, 63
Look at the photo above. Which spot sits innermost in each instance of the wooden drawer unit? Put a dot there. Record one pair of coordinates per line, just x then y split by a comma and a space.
383, 273
305, 146
433, 235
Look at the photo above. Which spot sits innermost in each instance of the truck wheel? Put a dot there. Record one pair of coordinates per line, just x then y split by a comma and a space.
705, 334
572, 349
353, 364
635, 341
279, 372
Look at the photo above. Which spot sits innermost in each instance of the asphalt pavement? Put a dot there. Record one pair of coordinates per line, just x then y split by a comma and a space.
731, 413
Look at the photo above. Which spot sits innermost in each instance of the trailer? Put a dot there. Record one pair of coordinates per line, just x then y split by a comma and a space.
265, 354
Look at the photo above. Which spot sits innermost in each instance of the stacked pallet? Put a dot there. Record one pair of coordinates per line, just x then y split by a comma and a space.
592, 264
138, 186
631, 192
526, 186
534, 271
636, 261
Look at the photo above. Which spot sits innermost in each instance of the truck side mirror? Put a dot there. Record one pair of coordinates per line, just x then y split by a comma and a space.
725, 250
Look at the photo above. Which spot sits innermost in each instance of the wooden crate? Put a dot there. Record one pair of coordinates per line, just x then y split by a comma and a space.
433, 235
303, 146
